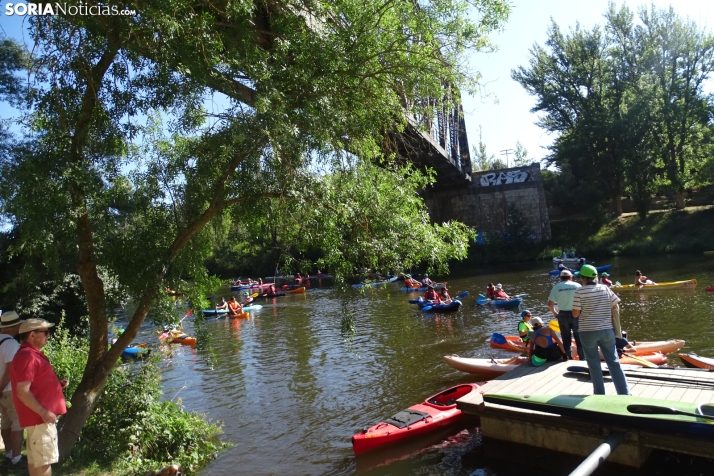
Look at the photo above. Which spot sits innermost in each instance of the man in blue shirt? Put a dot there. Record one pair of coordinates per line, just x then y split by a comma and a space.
562, 296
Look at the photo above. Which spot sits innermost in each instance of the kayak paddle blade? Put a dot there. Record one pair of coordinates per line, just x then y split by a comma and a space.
481, 301
426, 308
462, 295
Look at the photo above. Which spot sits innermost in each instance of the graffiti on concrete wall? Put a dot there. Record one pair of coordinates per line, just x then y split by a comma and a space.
503, 178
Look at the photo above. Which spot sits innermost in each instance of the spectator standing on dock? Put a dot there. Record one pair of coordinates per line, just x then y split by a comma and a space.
562, 296
593, 305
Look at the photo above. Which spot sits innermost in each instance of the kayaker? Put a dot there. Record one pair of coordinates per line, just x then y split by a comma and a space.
561, 295
500, 295
430, 295
411, 282
641, 280
544, 344
572, 252
298, 279
223, 305
593, 306
490, 291
234, 307
444, 296
426, 281
524, 327
247, 298
604, 279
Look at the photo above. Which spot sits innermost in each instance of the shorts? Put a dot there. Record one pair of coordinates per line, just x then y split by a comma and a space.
8, 414
41, 444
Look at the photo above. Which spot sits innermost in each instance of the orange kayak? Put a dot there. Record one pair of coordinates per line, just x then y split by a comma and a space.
241, 315
299, 290
178, 337
509, 343
695, 361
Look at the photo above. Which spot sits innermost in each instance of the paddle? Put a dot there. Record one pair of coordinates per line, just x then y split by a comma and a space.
646, 376
644, 362
460, 296
553, 324
255, 295
657, 410
520, 295
482, 301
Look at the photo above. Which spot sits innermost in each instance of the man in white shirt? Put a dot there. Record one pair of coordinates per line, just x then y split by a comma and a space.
562, 296
9, 422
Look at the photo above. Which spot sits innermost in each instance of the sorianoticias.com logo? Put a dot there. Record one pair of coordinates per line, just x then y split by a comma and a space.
80, 9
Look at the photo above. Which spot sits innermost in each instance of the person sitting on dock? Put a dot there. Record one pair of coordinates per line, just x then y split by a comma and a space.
641, 280
222, 306
444, 296
430, 295
500, 295
604, 279
426, 281
490, 291
544, 344
234, 307
524, 327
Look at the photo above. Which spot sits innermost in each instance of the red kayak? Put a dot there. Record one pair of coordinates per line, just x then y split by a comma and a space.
435, 412
710, 288
694, 361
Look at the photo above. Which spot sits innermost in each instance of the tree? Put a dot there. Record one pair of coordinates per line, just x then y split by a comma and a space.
520, 155
303, 83
481, 159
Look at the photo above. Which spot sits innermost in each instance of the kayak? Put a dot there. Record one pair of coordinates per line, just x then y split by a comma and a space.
566, 261
451, 307
240, 315
295, 291
709, 253
214, 312
252, 307
710, 288
688, 284
138, 351
510, 343
693, 361
421, 289
251, 286
178, 337
500, 302
375, 283
613, 409
320, 276
486, 367
435, 412
600, 269
663, 346
278, 294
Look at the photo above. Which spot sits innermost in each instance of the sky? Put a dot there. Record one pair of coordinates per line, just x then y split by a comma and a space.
509, 120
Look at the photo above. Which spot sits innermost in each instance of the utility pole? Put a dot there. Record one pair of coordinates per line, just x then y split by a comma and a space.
506, 152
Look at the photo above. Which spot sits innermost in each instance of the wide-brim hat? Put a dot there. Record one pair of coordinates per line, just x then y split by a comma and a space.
536, 321
34, 324
565, 272
498, 286
9, 319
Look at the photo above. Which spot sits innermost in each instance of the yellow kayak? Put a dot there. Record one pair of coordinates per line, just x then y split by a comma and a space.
688, 284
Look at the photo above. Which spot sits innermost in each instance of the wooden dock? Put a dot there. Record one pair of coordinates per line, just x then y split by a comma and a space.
580, 437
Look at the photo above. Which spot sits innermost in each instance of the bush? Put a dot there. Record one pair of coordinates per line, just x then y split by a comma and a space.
132, 429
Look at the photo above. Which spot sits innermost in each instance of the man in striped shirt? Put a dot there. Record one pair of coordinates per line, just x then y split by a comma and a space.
592, 306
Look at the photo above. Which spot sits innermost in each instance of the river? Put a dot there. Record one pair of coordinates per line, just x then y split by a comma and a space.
290, 390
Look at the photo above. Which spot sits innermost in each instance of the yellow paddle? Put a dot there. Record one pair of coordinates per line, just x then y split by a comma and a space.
255, 295
553, 324
644, 362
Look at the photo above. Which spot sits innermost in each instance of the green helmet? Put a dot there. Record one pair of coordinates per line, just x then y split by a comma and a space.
588, 271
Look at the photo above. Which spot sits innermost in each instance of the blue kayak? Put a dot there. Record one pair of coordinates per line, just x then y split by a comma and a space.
252, 307
213, 312
600, 269
375, 283
135, 352
500, 302
451, 307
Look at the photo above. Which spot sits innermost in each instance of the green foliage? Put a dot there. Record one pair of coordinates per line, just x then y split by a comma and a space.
628, 104
517, 226
132, 429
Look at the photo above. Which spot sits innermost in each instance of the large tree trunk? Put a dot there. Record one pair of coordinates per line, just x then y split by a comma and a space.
617, 204
679, 199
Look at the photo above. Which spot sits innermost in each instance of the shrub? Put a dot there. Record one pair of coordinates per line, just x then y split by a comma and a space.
132, 429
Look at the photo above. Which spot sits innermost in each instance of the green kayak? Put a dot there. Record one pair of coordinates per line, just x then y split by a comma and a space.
639, 412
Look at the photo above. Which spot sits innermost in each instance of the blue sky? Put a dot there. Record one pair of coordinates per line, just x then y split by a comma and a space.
503, 110
510, 119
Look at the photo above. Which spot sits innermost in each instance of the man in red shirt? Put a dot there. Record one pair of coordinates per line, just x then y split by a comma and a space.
37, 392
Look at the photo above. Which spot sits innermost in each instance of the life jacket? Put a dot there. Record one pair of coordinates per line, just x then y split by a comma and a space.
233, 306
431, 295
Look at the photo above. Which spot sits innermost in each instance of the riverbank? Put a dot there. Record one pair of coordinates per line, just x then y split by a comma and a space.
663, 231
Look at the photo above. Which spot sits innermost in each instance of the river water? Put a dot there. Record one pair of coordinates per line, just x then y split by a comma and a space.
290, 390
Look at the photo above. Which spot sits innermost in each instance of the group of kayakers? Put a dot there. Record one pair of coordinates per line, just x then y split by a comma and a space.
442, 297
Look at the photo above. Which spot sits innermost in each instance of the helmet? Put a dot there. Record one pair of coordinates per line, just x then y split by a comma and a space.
246, 293
588, 271
426, 275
